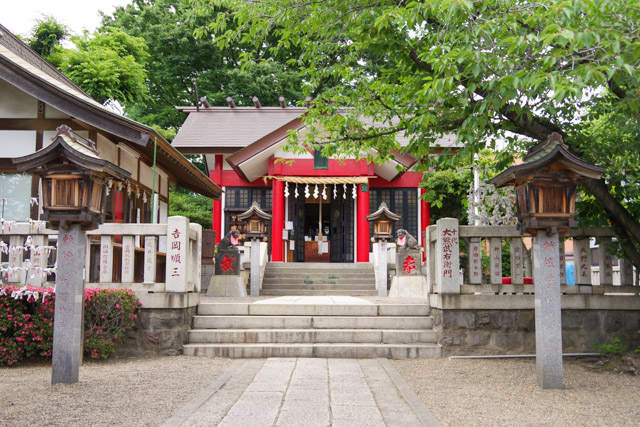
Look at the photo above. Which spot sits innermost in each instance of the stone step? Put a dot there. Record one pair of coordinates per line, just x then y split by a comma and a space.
311, 322
319, 286
252, 336
286, 292
351, 310
325, 350
308, 266
320, 276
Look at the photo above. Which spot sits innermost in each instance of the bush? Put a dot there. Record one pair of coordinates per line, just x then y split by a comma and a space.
26, 321
617, 348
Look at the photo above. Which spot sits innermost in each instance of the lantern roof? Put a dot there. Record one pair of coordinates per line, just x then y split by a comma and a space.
383, 211
550, 155
255, 210
75, 149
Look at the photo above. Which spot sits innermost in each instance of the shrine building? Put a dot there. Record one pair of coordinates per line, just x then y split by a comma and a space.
319, 205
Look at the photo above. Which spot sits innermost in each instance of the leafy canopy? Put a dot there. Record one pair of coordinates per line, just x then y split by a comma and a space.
512, 70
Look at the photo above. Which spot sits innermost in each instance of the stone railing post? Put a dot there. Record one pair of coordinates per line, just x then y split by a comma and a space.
195, 260
106, 259
582, 260
475, 261
495, 253
605, 261
626, 272
177, 256
448, 256
38, 260
517, 261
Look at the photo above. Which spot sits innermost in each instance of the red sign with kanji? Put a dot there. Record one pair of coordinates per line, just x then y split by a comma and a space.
409, 265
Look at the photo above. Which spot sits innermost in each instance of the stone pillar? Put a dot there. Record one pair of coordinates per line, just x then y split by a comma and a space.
362, 223
517, 261
382, 268
177, 241
582, 261
38, 260
475, 261
69, 306
431, 257
255, 268
16, 251
546, 279
605, 260
106, 259
277, 223
128, 259
448, 256
626, 272
495, 256
150, 265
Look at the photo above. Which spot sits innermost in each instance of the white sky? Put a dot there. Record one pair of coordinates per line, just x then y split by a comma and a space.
19, 16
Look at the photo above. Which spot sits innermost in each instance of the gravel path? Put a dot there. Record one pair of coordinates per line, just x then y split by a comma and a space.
503, 392
118, 392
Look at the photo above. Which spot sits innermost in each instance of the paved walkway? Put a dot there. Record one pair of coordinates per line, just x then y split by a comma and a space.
304, 393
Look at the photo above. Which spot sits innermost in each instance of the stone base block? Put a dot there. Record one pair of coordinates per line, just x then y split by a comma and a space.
409, 287
227, 286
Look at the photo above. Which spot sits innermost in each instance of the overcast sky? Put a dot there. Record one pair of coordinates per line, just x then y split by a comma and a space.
19, 16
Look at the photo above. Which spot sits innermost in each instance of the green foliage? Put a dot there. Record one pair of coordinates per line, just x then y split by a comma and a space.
447, 191
616, 348
193, 206
179, 58
486, 70
46, 35
108, 65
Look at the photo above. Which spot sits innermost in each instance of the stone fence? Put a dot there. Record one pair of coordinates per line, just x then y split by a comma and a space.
475, 313
161, 263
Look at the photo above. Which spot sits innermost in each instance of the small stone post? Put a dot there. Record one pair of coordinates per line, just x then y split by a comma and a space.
382, 268
448, 256
69, 306
255, 267
546, 279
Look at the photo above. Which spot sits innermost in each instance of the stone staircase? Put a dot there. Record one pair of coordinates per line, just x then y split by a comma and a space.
354, 279
249, 330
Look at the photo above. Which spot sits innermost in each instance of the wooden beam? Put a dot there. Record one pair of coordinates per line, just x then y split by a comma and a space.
35, 124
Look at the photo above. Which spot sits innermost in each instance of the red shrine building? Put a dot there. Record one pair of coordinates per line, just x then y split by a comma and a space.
319, 205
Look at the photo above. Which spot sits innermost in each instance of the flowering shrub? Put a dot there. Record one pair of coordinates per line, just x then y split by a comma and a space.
26, 321
108, 314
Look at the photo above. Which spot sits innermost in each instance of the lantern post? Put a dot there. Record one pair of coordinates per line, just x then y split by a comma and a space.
546, 185
382, 220
73, 179
256, 230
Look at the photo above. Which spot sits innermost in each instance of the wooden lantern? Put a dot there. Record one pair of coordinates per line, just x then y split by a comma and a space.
73, 180
256, 221
382, 222
546, 186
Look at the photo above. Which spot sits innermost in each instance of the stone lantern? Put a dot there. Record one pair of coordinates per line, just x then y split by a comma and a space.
256, 221
73, 180
73, 195
256, 230
546, 185
382, 220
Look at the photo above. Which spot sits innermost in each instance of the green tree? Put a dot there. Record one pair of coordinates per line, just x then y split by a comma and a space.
46, 35
515, 70
108, 65
179, 58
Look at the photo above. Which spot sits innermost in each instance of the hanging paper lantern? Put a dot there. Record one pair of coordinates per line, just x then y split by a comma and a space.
296, 192
286, 189
306, 191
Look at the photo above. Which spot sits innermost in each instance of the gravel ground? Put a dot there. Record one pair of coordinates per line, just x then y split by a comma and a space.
118, 392
503, 392
146, 392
